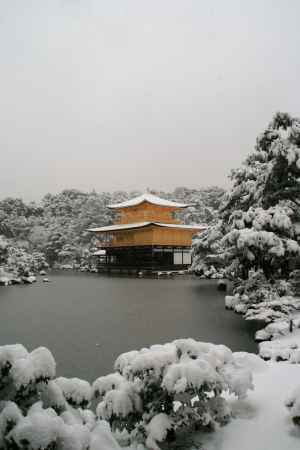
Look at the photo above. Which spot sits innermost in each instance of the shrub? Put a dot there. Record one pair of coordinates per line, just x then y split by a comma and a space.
39, 412
160, 390
153, 394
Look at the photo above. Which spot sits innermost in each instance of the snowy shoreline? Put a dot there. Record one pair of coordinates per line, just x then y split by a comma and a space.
263, 421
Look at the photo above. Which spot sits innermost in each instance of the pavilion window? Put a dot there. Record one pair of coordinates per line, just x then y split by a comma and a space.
177, 258
187, 258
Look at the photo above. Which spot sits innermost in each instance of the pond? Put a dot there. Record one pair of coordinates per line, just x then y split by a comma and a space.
87, 320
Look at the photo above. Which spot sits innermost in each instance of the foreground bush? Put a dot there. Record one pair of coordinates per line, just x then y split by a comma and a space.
38, 411
157, 391
153, 394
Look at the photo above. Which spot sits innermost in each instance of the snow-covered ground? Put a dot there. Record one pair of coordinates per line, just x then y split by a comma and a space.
261, 421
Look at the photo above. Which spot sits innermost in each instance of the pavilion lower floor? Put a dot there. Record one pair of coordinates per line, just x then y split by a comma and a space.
144, 258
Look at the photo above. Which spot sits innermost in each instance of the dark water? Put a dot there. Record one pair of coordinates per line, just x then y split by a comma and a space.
87, 320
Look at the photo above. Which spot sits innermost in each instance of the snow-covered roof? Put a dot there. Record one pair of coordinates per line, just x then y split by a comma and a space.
125, 226
150, 198
129, 226
185, 227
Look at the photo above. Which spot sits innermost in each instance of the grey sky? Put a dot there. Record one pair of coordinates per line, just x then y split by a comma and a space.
125, 94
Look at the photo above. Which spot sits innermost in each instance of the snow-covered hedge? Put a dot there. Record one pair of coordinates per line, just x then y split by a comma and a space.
157, 391
154, 393
39, 412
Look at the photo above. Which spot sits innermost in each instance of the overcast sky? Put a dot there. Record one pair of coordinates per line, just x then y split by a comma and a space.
130, 94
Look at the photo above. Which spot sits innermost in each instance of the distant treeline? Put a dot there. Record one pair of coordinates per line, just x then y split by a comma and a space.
56, 227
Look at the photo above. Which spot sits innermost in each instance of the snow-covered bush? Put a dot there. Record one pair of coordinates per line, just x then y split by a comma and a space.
270, 311
280, 327
259, 299
39, 412
21, 262
269, 303
157, 391
43, 429
278, 351
78, 393
258, 289
273, 330
154, 393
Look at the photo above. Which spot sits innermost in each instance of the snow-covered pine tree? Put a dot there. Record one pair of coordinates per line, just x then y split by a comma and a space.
208, 251
271, 172
259, 214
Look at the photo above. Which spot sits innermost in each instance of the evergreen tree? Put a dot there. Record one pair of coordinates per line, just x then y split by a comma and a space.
258, 217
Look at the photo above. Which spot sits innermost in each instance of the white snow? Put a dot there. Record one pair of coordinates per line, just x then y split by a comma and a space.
184, 227
183, 375
126, 226
261, 421
150, 198
285, 345
124, 360
273, 330
231, 301
39, 428
102, 438
129, 226
121, 401
75, 390
107, 383
73, 437
52, 395
9, 414
37, 365
10, 353
157, 430
293, 403
154, 359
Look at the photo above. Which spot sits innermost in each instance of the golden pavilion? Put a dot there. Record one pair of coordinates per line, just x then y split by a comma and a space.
146, 236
